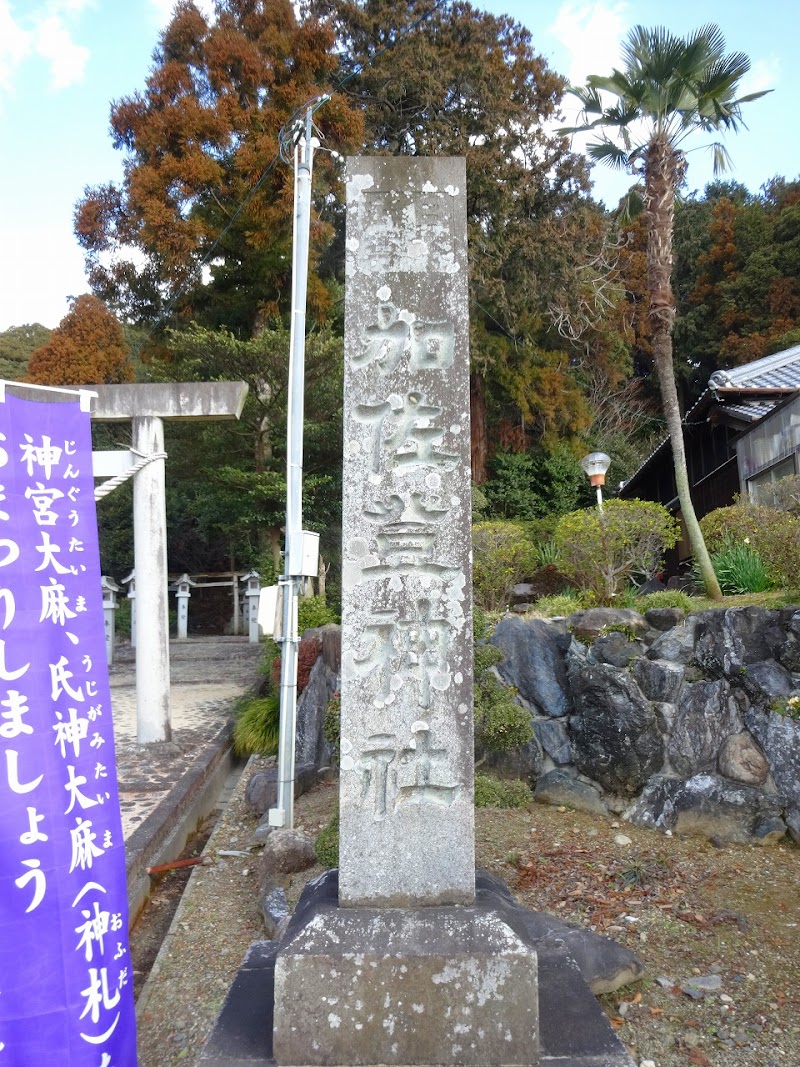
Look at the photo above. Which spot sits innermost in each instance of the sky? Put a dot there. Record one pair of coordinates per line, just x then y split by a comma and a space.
62, 63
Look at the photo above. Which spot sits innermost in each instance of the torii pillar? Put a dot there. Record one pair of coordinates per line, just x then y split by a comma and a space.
146, 407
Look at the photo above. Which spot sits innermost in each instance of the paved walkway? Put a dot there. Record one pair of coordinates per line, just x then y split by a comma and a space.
208, 675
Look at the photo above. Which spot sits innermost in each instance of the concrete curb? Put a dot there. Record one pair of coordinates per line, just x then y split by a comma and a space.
177, 918
164, 833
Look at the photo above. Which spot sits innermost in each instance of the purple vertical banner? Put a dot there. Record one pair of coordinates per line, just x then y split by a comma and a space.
66, 979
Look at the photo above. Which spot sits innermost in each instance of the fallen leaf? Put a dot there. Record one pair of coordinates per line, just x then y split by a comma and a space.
698, 1057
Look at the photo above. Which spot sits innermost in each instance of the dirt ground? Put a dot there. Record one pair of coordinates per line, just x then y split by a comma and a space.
730, 915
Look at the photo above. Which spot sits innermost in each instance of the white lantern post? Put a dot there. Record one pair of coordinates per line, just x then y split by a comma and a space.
595, 466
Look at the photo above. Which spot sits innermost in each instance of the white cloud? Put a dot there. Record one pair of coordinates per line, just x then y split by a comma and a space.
44, 32
590, 34
15, 45
54, 43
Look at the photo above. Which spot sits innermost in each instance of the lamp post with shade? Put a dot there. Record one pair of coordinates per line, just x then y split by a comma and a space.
595, 466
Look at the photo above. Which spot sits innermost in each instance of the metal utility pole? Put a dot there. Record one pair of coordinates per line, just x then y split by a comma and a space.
283, 813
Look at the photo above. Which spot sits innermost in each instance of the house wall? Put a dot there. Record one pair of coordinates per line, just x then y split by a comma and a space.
770, 450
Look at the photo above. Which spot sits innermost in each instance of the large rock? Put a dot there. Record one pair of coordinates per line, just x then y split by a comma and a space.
589, 624
659, 679
553, 736
710, 806
779, 738
789, 653
665, 618
285, 852
534, 663
275, 911
616, 740
310, 744
708, 713
615, 648
766, 682
524, 762
604, 964
261, 791
793, 823
730, 640
676, 645
558, 787
742, 760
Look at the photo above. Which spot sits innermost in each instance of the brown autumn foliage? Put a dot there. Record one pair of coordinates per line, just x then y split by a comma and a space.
201, 144
88, 347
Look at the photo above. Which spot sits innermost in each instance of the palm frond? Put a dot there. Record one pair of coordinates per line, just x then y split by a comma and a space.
607, 152
721, 158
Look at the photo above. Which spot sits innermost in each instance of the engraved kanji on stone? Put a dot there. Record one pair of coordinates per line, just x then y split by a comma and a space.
386, 341
405, 542
432, 345
404, 434
424, 760
373, 766
393, 775
413, 647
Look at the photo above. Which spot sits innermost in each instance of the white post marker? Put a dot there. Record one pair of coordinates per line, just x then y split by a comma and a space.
130, 581
110, 590
252, 592
183, 592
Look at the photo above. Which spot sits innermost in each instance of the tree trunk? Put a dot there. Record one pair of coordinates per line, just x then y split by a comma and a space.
479, 444
663, 166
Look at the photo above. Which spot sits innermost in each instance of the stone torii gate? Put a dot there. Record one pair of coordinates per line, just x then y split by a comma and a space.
146, 407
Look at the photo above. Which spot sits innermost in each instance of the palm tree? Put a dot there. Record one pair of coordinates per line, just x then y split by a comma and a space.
671, 87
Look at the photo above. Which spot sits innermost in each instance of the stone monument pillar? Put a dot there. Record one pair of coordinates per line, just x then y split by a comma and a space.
406, 810
406, 968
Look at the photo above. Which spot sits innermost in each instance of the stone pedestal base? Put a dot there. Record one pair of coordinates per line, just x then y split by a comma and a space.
573, 1030
438, 985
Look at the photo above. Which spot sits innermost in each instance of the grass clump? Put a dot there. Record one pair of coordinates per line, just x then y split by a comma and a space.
560, 604
257, 726
740, 569
326, 845
491, 792
667, 598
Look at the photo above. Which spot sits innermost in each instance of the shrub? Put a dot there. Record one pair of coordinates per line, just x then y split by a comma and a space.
257, 726
503, 556
500, 723
491, 792
773, 534
603, 551
786, 495
666, 598
313, 611
332, 723
326, 845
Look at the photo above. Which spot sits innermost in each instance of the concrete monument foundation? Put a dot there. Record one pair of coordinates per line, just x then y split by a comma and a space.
450, 985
